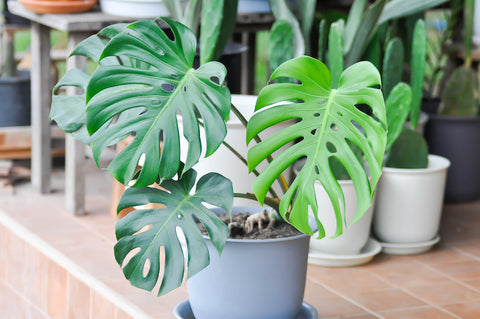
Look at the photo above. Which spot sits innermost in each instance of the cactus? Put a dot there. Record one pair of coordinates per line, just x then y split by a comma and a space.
392, 65
281, 43
410, 150
419, 55
461, 94
335, 45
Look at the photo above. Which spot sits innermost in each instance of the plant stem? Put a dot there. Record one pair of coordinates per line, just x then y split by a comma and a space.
281, 180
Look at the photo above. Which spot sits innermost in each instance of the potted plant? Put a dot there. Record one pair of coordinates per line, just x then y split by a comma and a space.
410, 193
338, 246
454, 132
14, 84
144, 80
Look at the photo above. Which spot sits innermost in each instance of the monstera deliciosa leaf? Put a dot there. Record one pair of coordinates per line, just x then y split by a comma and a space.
148, 94
332, 124
144, 232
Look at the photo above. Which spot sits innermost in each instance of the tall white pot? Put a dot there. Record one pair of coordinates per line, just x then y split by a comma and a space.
354, 237
409, 202
223, 161
135, 8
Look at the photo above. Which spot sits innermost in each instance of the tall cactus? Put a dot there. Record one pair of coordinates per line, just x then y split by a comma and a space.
461, 96
392, 65
419, 55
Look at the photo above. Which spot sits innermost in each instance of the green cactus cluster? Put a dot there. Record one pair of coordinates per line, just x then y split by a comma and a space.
406, 148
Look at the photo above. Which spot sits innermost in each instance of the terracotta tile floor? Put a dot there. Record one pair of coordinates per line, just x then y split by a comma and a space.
443, 283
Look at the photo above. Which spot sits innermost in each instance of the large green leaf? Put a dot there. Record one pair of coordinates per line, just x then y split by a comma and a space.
153, 97
154, 229
330, 123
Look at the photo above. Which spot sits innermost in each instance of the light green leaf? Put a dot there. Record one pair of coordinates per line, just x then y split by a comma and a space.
152, 229
153, 98
329, 122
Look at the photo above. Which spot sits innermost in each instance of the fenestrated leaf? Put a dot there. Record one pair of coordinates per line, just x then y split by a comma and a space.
329, 122
152, 229
156, 95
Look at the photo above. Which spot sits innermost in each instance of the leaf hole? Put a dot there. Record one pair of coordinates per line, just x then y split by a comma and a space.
331, 148
340, 114
146, 268
334, 127
313, 132
167, 87
316, 114
174, 76
132, 253
364, 108
155, 102
322, 102
215, 80
317, 170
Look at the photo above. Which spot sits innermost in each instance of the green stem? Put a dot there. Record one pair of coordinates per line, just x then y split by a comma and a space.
281, 180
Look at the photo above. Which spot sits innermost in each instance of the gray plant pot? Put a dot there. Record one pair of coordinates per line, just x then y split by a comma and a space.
252, 279
457, 138
15, 100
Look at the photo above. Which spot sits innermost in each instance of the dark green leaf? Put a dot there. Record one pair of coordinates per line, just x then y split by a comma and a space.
154, 229
153, 97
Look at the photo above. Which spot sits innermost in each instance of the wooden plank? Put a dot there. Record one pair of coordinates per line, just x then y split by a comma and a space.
41, 100
20, 137
86, 21
74, 149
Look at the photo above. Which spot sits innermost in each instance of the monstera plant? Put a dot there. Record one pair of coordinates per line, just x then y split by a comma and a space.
145, 82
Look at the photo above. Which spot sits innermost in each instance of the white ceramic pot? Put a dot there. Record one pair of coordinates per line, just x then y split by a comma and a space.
354, 236
135, 8
409, 202
223, 161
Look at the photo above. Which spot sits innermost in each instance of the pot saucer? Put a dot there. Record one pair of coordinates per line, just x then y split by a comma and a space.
410, 248
371, 248
184, 311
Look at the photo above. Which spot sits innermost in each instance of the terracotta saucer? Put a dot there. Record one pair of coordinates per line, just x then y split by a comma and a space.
58, 6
